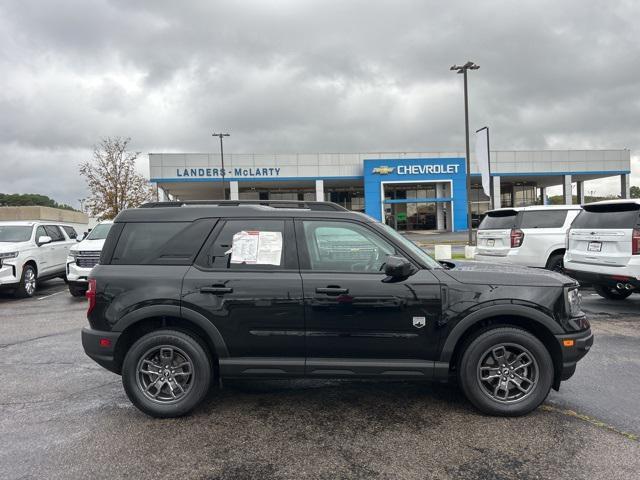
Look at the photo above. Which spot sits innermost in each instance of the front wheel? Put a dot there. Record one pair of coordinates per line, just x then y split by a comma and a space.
506, 371
28, 283
611, 293
166, 373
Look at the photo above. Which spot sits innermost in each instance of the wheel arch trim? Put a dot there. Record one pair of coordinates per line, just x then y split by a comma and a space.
495, 311
176, 311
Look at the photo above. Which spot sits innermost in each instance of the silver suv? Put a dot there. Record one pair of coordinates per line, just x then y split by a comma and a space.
603, 248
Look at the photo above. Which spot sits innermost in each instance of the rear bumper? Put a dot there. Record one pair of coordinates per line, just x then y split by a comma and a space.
608, 279
513, 257
572, 354
103, 355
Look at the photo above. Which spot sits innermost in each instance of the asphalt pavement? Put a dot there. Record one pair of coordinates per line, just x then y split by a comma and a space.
64, 417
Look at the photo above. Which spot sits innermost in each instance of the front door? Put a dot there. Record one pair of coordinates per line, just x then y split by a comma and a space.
355, 314
254, 301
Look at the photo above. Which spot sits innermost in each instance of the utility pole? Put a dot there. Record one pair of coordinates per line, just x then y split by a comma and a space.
222, 172
463, 70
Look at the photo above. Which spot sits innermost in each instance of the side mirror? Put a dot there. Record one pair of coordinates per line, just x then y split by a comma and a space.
43, 240
397, 267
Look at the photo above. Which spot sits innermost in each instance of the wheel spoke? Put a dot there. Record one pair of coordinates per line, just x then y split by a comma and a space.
500, 355
164, 373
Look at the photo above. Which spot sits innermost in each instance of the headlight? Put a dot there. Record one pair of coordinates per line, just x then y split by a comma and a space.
574, 301
9, 255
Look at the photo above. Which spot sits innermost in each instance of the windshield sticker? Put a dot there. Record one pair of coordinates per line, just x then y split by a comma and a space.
255, 247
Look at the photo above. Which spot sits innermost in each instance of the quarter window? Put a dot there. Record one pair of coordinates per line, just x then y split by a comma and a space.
344, 247
543, 218
71, 232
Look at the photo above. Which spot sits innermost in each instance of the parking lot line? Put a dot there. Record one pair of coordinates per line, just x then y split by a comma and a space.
50, 295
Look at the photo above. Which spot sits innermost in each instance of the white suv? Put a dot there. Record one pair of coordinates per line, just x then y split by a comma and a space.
532, 236
604, 248
84, 256
31, 252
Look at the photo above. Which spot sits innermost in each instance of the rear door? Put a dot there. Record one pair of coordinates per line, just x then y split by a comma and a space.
494, 232
247, 283
59, 247
602, 234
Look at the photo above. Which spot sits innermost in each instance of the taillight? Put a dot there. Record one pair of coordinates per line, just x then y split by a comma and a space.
635, 241
517, 236
91, 295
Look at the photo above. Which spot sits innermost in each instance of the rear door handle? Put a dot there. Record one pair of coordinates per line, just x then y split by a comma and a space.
332, 290
216, 289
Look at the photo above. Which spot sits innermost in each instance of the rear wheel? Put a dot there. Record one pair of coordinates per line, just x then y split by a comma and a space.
506, 371
166, 373
556, 263
28, 282
611, 293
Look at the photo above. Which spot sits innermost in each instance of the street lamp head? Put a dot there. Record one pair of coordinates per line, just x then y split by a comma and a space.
220, 135
467, 66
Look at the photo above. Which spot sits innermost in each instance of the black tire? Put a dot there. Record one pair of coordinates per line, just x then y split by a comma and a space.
184, 347
479, 393
611, 293
28, 282
556, 263
77, 291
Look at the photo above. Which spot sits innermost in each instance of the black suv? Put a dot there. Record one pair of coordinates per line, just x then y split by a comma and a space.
185, 295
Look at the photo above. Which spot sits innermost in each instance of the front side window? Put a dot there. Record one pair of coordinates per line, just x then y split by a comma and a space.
344, 247
14, 233
249, 244
54, 232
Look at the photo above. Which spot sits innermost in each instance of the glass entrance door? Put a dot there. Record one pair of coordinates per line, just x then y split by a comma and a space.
417, 206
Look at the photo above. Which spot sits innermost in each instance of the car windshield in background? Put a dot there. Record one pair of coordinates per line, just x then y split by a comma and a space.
499, 220
99, 232
543, 219
14, 233
608, 216
412, 247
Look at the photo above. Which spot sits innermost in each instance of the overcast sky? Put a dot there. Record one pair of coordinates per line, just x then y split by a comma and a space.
308, 76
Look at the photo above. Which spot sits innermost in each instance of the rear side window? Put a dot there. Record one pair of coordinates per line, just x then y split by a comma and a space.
162, 243
543, 218
623, 216
71, 232
218, 254
499, 220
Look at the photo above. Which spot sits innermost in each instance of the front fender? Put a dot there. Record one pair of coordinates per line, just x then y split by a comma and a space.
494, 311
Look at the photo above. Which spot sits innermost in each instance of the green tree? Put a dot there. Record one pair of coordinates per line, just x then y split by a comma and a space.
30, 199
635, 191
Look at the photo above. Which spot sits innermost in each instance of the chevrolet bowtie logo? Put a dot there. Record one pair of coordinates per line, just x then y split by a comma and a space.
383, 170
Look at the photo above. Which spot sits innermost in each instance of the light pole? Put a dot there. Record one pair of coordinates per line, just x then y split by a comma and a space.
222, 172
463, 70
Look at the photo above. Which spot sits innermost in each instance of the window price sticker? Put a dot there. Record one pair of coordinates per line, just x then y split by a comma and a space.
256, 247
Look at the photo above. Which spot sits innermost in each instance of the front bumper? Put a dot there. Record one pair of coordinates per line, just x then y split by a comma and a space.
9, 275
582, 342
103, 354
77, 274
608, 279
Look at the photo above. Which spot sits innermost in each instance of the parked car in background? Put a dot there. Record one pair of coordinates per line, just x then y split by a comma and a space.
604, 248
186, 295
31, 252
85, 255
532, 236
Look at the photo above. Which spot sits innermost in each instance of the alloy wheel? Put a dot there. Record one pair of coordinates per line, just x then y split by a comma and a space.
165, 374
507, 373
29, 281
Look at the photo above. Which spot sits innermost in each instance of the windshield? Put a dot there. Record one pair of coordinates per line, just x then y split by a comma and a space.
14, 233
412, 247
99, 232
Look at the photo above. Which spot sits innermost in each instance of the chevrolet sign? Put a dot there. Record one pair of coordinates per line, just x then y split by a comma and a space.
384, 170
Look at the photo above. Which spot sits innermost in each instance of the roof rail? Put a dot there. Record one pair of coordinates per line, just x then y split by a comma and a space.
310, 205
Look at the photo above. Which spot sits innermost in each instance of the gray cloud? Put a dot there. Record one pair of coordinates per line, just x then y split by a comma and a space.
286, 76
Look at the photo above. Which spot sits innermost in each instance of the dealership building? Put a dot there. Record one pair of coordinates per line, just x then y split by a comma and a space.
408, 190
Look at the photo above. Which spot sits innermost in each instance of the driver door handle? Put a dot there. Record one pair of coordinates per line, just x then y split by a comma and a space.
332, 290
216, 289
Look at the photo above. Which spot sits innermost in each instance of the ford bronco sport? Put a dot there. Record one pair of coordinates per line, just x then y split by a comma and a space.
185, 295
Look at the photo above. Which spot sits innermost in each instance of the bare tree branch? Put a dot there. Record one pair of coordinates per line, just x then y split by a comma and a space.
113, 182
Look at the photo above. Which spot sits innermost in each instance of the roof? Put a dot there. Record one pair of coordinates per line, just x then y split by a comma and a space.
189, 213
620, 201
536, 207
